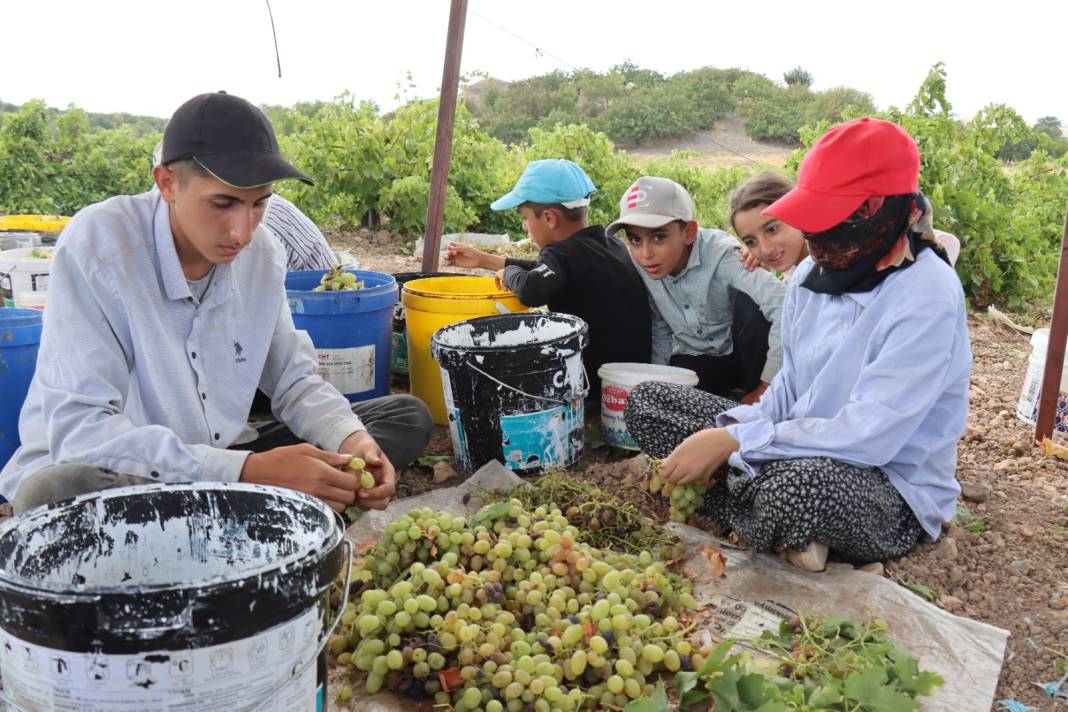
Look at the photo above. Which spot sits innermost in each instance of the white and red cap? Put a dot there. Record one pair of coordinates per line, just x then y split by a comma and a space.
653, 202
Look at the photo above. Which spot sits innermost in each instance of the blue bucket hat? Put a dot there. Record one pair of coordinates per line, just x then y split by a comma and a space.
551, 181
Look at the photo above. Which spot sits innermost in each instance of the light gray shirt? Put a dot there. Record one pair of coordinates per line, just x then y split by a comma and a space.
135, 376
693, 310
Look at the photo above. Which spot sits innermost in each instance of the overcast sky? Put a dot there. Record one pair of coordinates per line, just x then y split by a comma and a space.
147, 57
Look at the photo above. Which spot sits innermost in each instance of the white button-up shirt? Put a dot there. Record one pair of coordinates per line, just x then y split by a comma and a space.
136, 376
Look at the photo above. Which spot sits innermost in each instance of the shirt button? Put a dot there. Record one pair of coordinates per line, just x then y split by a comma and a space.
203, 396
685, 306
216, 436
845, 327
194, 354
699, 331
154, 473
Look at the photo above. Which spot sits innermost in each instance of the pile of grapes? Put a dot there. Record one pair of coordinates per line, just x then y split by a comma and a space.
684, 499
337, 280
511, 611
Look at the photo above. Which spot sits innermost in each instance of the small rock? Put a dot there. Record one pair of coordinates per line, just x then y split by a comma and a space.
947, 549
1022, 565
1056, 602
443, 471
951, 603
383, 238
363, 232
956, 575
1026, 532
975, 492
635, 467
1004, 465
875, 567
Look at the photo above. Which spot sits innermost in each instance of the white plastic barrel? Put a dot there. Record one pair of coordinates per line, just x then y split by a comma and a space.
1027, 408
617, 380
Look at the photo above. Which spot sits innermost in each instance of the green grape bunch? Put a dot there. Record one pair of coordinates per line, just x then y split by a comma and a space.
510, 611
357, 465
337, 280
683, 499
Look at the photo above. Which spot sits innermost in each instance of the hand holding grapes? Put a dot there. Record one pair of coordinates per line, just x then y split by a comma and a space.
304, 468
698, 457
375, 463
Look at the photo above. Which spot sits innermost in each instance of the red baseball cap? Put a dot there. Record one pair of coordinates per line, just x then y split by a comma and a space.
852, 162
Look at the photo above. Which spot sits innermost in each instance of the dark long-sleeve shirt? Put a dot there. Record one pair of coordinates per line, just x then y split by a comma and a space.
590, 275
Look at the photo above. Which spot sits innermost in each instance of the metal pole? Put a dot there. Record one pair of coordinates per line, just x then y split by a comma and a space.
1058, 336
439, 174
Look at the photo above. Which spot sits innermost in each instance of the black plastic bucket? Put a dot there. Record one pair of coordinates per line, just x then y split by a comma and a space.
514, 389
398, 364
204, 596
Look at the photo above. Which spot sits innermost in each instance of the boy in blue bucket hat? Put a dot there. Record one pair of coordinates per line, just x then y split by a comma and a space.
580, 271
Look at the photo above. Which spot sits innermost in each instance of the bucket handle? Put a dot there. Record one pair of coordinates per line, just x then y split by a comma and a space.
322, 641
585, 378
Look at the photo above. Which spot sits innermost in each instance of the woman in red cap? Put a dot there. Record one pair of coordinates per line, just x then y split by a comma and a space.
853, 446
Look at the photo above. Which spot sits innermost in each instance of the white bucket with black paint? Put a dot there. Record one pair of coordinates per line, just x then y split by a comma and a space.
205, 596
514, 388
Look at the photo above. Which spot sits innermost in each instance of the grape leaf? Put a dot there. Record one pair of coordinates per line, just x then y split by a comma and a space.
494, 511
868, 691
907, 670
658, 702
431, 460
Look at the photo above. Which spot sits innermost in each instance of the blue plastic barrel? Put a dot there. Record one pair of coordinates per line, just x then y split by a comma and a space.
351, 330
20, 335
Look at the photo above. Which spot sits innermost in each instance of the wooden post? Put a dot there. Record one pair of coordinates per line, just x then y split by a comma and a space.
439, 174
1058, 336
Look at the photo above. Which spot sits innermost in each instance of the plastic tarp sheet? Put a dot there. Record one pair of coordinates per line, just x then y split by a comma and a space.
755, 592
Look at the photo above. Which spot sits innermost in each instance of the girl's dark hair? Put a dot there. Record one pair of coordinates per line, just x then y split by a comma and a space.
762, 189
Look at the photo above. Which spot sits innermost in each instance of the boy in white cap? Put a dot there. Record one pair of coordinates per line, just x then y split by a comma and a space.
706, 307
580, 271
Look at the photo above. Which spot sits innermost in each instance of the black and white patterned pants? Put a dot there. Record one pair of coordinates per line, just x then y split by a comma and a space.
855, 511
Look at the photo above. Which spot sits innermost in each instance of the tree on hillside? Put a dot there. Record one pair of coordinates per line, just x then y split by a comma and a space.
797, 77
1049, 125
833, 105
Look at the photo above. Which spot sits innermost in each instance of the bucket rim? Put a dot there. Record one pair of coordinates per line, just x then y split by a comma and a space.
653, 372
384, 281
582, 329
14, 317
495, 293
289, 565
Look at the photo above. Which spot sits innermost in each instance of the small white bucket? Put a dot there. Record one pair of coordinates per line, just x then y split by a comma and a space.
31, 300
617, 380
20, 273
1027, 408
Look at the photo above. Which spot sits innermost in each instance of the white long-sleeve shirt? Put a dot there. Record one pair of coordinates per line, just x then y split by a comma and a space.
135, 375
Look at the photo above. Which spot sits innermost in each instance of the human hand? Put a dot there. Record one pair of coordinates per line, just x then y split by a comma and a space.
363, 446
748, 260
498, 279
304, 468
754, 395
698, 457
457, 254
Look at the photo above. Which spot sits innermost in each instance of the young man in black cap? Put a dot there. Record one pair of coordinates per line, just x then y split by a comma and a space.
166, 311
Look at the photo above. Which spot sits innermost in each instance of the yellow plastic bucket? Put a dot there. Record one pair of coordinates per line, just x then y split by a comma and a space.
432, 303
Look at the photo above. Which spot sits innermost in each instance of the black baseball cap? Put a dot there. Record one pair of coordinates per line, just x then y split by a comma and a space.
232, 139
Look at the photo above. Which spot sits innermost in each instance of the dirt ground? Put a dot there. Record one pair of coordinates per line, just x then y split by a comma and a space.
1004, 561
725, 144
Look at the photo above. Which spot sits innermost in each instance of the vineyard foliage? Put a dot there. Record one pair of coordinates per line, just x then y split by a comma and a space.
373, 169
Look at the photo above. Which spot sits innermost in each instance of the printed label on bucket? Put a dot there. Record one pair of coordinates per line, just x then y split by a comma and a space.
542, 439
1027, 407
399, 355
349, 370
233, 676
613, 402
